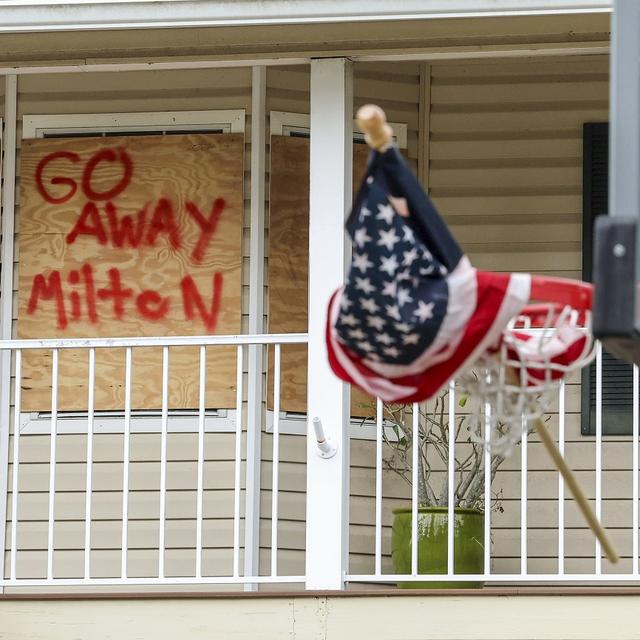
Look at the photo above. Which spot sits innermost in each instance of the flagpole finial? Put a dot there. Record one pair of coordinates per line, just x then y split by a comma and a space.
373, 121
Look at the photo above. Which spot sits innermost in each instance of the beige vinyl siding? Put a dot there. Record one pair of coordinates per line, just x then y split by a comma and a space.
182, 90
506, 158
144, 474
396, 88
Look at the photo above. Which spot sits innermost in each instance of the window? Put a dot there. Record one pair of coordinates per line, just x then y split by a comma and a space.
617, 376
287, 311
130, 124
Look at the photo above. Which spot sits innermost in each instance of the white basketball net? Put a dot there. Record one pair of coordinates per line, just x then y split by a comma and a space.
515, 385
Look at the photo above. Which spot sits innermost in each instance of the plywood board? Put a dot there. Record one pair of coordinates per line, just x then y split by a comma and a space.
130, 236
289, 265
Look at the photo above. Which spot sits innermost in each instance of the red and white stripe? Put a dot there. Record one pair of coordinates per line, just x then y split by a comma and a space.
480, 306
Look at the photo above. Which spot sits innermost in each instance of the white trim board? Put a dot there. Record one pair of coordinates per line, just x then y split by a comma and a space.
255, 392
87, 15
37, 126
7, 256
477, 52
283, 123
1, 159
216, 421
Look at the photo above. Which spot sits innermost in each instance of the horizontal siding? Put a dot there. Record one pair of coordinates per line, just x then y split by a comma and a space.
396, 88
506, 144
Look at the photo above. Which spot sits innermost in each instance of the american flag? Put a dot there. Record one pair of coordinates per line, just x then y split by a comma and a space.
413, 312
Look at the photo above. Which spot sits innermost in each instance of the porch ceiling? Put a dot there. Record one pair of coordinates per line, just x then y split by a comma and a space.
582, 31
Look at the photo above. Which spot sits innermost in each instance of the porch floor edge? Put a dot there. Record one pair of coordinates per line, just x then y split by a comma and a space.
437, 593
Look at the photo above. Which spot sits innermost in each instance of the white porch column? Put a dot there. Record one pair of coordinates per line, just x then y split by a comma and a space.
328, 398
255, 408
624, 136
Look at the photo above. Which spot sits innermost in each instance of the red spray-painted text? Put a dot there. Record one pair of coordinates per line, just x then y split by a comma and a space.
76, 296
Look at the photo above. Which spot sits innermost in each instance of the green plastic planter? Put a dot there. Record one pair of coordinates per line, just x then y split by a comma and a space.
432, 545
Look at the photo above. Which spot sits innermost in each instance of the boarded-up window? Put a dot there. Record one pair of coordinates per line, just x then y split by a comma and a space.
130, 236
289, 264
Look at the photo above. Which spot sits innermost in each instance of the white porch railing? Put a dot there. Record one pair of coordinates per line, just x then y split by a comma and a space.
45, 572
625, 532
42, 539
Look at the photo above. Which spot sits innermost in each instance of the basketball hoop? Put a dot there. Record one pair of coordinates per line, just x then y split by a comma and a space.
513, 384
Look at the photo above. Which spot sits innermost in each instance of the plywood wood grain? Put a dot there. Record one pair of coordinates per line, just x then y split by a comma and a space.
143, 234
289, 265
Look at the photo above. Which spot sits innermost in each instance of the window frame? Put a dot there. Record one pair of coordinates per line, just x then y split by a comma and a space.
41, 126
283, 123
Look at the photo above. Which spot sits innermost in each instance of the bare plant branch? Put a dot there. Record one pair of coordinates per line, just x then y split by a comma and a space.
433, 448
